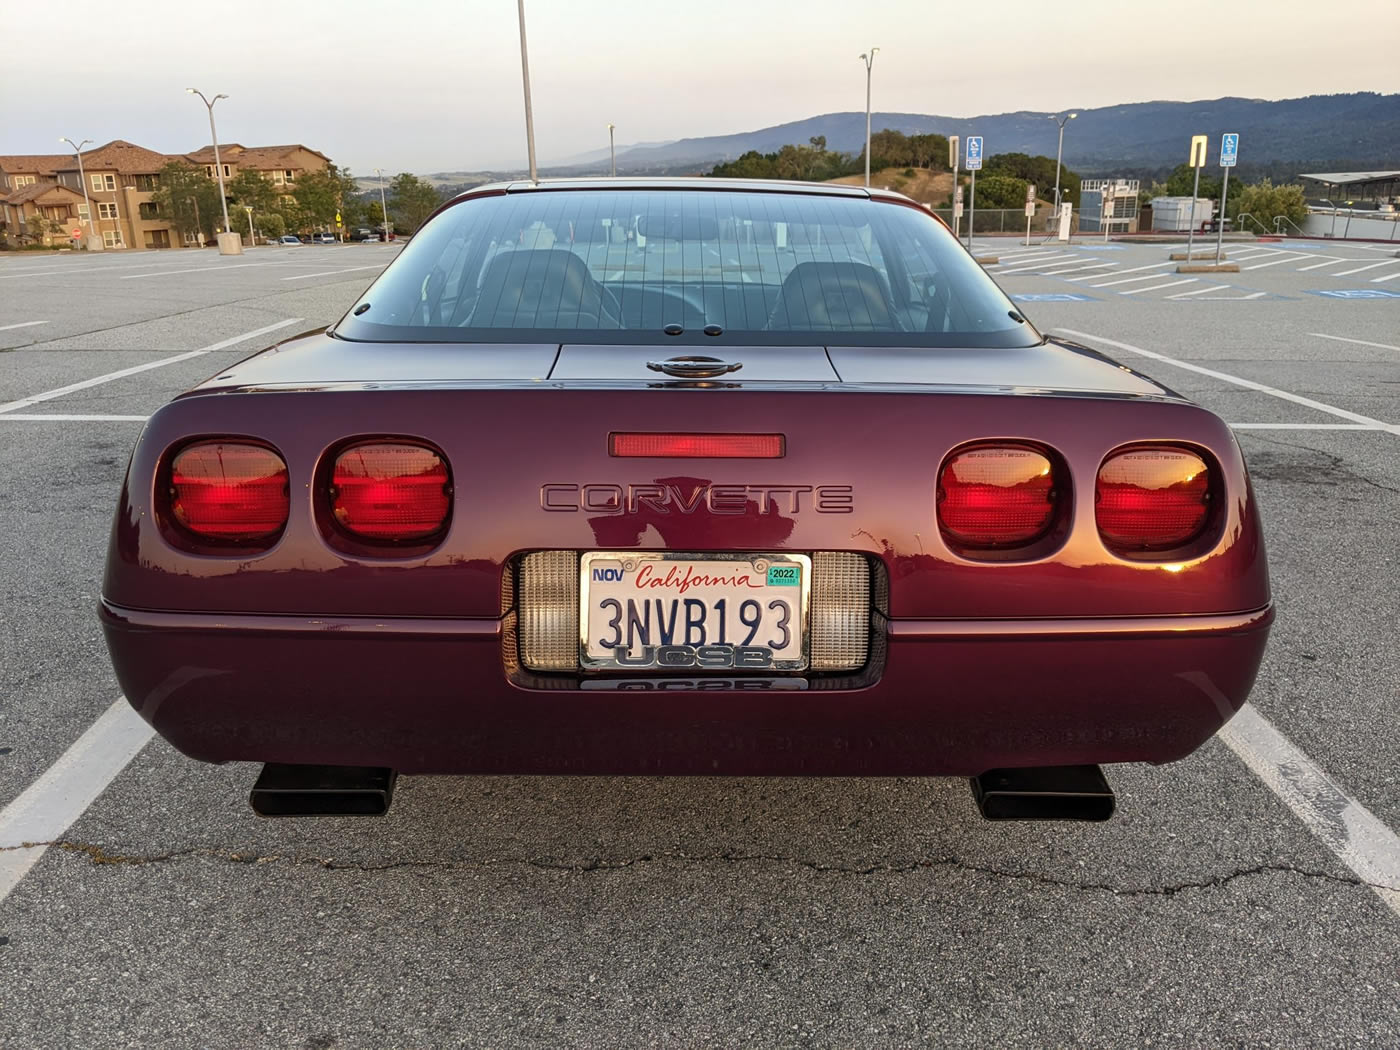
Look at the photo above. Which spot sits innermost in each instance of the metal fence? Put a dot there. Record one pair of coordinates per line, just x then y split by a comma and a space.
1005, 220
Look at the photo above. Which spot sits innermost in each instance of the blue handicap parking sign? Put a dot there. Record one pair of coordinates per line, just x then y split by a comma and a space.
974, 152
1355, 293
1229, 150
1053, 297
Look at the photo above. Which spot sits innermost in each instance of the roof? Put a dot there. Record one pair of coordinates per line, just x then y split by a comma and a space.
258, 158
121, 156
38, 163
35, 190
1343, 178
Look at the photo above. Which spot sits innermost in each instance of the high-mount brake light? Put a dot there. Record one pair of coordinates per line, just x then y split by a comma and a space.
1152, 498
698, 446
390, 492
229, 493
996, 496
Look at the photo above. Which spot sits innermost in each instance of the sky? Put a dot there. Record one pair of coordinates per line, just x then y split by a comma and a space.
435, 85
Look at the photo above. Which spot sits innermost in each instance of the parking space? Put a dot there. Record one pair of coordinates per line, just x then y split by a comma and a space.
1215, 908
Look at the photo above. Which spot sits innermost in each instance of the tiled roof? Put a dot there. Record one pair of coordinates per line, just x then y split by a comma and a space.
35, 190
258, 158
119, 155
36, 163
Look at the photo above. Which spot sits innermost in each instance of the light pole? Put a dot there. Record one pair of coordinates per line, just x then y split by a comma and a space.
383, 209
214, 135
869, 59
251, 240
78, 150
612, 149
1059, 152
525, 77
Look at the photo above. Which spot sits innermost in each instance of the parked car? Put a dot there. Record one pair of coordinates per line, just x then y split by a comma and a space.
324, 238
363, 233
290, 239
793, 489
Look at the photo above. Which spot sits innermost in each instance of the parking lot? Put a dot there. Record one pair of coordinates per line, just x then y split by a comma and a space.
1248, 895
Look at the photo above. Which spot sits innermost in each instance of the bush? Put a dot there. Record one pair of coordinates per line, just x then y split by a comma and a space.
1001, 191
1264, 200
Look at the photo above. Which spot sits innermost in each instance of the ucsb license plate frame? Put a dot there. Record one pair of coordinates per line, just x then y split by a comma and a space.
689, 654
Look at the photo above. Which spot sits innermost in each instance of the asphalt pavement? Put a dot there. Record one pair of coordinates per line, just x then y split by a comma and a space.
645, 911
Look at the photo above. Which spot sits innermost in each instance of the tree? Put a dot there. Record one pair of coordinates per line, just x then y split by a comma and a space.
1183, 178
1264, 200
411, 201
317, 194
188, 199
1001, 191
40, 228
1039, 170
270, 224
249, 188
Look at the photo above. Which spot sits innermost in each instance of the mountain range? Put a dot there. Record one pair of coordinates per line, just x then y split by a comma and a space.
1359, 131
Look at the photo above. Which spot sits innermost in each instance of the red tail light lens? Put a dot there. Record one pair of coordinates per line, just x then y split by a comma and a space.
391, 493
229, 493
698, 446
1152, 498
997, 496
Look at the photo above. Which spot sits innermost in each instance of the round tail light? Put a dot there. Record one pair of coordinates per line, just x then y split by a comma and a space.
1152, 498
229, 493
389, 492
996, 496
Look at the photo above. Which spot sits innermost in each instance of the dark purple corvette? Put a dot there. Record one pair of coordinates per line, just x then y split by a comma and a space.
685, 477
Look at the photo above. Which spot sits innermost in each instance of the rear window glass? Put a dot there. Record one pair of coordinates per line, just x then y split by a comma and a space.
689, 266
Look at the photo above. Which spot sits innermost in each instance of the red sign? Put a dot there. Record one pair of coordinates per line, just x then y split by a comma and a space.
77, 234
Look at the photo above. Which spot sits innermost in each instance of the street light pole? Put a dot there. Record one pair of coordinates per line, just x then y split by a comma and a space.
218, 165
78, 150
383, 208
525, 77
612, 149
869, 59
252, 242
1059, 153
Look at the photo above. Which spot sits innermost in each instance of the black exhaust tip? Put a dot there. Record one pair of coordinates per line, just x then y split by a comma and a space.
322, 791
1044, 793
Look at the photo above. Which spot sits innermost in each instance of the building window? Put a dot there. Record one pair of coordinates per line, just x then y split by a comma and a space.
23, 180
104, 182
147, 183
278, 178
112, 238
84, 213
289, 174
106, 211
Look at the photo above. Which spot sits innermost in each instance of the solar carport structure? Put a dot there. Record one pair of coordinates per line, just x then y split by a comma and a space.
1352, 188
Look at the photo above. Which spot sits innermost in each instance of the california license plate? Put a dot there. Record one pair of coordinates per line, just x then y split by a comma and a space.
694, 613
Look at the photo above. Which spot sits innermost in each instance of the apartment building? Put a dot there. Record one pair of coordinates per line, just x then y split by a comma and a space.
119, 179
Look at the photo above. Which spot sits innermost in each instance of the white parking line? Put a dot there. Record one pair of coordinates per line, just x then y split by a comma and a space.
327, 273
1198, 291
1299, 426
1358, 342
1130, 269
197, 269
22, 324
14, 417
49, 395
1077, 269
1368, 266
1023, 256
1387, 277
1125, 280
50, 805
1248, 384
1154, 287
1318, 266
1346, 827
1280, 262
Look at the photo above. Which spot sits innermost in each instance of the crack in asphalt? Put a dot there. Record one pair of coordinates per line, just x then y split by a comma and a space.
100, 856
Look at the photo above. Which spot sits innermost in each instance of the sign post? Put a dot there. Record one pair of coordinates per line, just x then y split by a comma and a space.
954, 157
1229, 155
1107, 210
1030, 211
1198, 161
974, 164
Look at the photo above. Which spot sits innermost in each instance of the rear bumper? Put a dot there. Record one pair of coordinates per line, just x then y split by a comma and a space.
432, 696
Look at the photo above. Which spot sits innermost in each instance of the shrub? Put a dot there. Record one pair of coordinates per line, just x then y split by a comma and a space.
1264, 200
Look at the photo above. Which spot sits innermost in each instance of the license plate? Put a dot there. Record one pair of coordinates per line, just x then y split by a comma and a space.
694, 613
